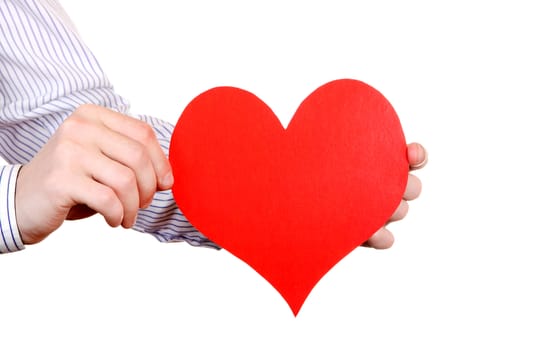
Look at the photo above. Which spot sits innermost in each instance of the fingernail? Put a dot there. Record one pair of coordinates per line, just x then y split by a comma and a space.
424, 161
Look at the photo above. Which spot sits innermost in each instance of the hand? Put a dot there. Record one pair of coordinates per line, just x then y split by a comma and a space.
98, 161
417, 157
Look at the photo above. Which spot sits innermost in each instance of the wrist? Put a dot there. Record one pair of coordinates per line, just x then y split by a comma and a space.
10, 238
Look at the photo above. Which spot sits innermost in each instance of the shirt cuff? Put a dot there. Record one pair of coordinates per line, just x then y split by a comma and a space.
10, 238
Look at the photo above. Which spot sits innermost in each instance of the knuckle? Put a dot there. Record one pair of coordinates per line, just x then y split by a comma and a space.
127, 181
139, 156
146, 133
71, 126
84, 109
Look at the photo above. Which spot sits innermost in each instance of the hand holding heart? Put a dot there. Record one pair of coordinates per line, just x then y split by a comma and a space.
417, 157
292, 202
303, 198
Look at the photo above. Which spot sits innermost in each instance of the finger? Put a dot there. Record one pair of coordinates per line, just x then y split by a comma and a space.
114, 145
132, 155
413, 188
400, 212
382, 239
417, 156
123, 181
144, 134
100, 198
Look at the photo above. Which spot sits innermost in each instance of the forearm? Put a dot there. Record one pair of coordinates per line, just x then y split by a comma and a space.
40, 88
162, 218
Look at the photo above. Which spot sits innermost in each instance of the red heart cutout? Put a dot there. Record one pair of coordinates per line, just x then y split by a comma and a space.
291, 202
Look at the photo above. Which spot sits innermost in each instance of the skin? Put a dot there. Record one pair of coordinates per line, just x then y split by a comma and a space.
114, 167
417, 157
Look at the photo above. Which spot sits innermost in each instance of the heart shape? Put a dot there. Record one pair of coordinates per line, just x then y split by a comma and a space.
290, 202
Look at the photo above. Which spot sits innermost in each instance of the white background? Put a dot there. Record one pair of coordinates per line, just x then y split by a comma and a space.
463, 78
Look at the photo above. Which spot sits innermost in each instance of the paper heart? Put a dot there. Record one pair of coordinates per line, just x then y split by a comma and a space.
290, 202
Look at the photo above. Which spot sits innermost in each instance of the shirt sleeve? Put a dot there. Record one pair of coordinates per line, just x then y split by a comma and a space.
46, 72
162, 218
21, 141
10, 239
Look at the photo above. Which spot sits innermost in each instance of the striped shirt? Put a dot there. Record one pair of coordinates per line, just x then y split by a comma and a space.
46, 72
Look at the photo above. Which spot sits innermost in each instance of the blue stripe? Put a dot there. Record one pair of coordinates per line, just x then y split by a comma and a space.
151, 222
40, 53
55, 60
166, 212
72, 73
23, 138
9, 216
46, 72
156, 206
48, 63
37, 131
28, 65
12, 151
14, 63
7, 206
